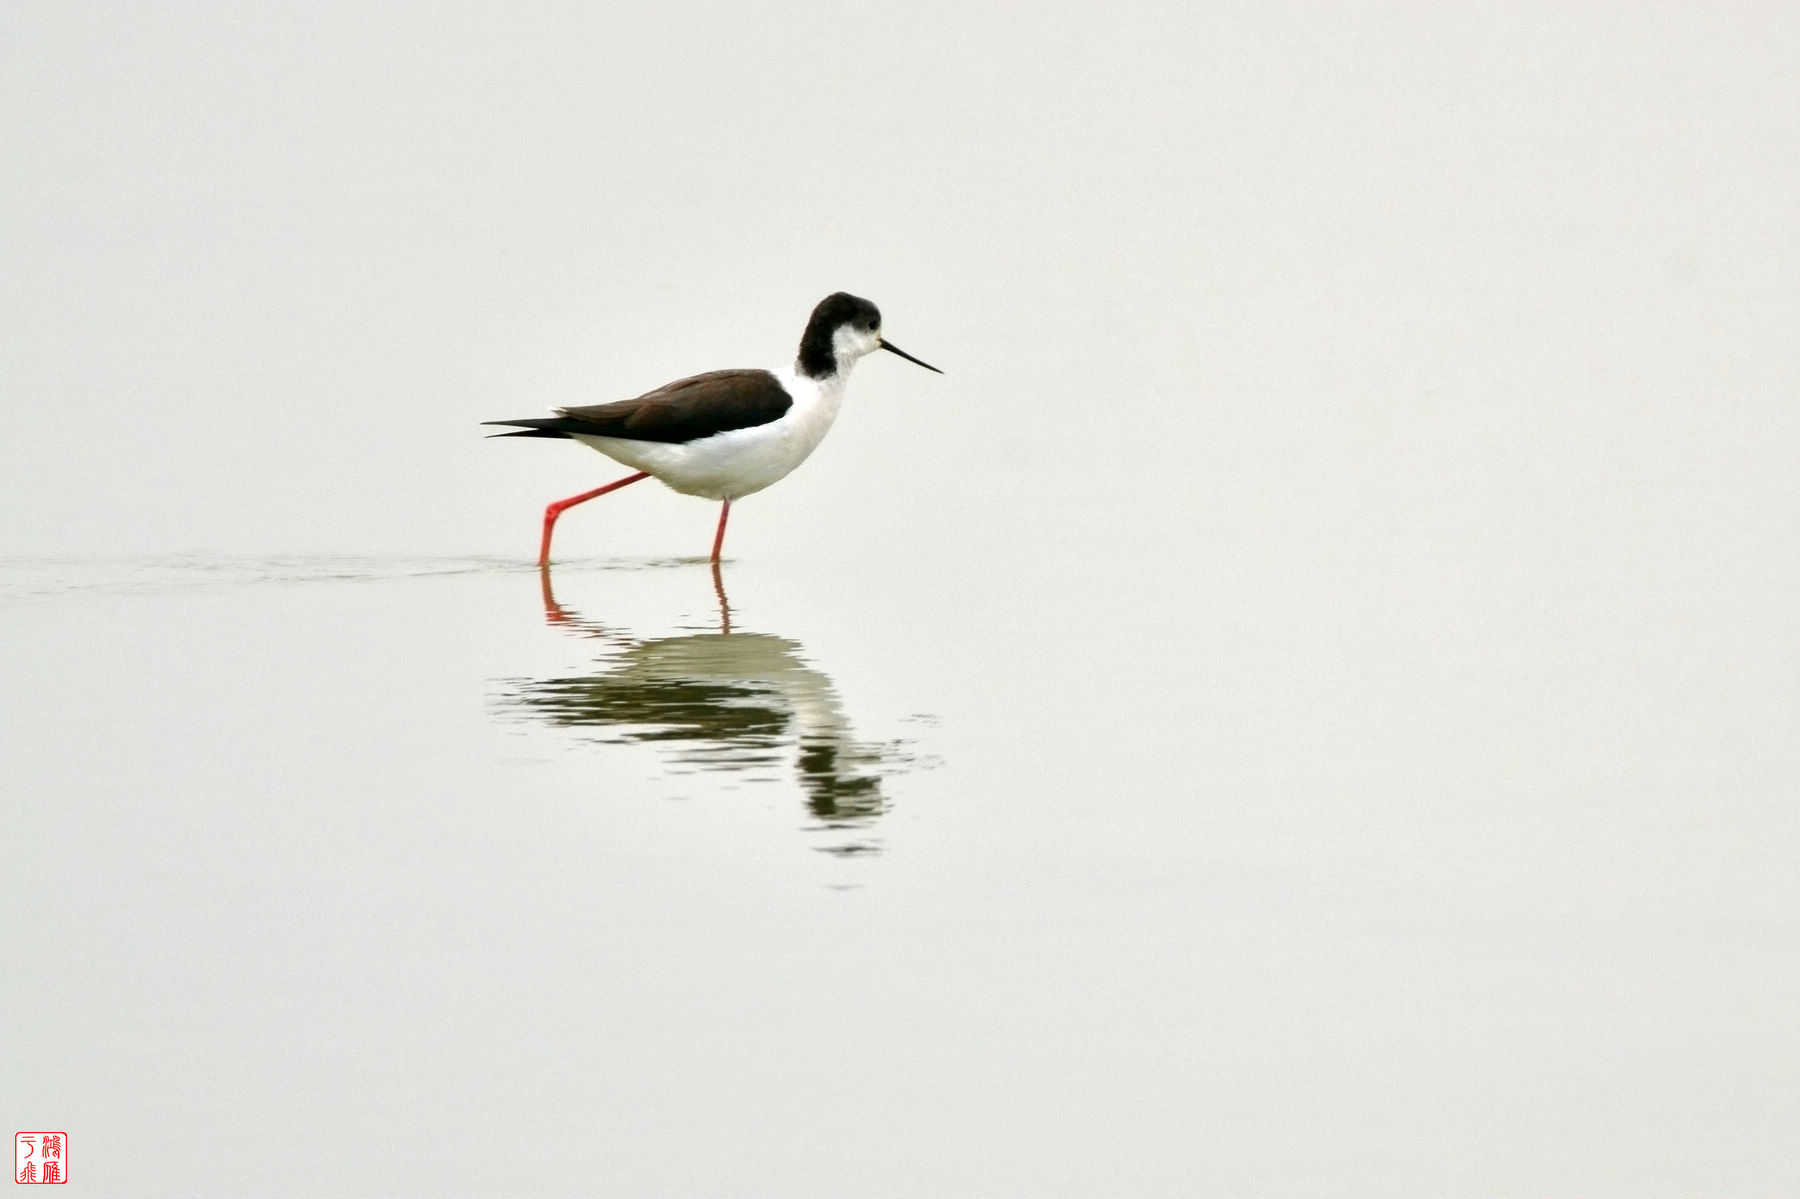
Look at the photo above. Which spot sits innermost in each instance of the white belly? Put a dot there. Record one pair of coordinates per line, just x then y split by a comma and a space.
741, 462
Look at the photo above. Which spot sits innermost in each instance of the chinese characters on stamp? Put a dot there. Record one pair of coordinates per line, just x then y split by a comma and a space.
40, 1157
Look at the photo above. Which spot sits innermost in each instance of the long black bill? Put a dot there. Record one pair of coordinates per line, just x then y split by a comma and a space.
891, 348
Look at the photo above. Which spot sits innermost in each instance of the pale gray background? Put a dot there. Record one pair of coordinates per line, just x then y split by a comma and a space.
1335, 618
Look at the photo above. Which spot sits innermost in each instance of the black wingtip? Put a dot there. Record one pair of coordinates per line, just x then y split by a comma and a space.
534, 427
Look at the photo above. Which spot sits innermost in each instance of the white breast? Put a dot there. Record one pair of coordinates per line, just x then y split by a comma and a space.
729, 466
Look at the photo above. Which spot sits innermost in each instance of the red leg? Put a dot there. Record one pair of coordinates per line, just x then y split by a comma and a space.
555, 510
719, 537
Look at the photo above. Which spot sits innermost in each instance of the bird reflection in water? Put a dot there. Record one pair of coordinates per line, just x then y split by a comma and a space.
741, 703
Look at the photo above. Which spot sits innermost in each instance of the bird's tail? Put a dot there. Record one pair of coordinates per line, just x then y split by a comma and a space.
545, 426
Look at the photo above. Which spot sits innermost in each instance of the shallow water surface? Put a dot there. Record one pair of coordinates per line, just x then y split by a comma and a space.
865, 893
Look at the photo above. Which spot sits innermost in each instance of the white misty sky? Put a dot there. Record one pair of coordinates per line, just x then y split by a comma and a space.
265, 266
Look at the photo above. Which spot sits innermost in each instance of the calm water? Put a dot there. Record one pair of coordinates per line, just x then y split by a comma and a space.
416, 876
1305, 705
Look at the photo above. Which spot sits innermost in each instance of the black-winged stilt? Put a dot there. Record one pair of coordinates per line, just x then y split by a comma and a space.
725, 434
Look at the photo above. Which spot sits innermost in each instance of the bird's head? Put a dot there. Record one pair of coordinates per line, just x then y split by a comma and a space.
843, 328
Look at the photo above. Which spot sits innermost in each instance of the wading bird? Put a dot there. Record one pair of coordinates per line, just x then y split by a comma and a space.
725, 434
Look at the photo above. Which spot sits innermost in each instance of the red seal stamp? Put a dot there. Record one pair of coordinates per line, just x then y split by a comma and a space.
40, 1157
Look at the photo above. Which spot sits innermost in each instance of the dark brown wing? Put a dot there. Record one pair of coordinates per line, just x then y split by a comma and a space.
685, 410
